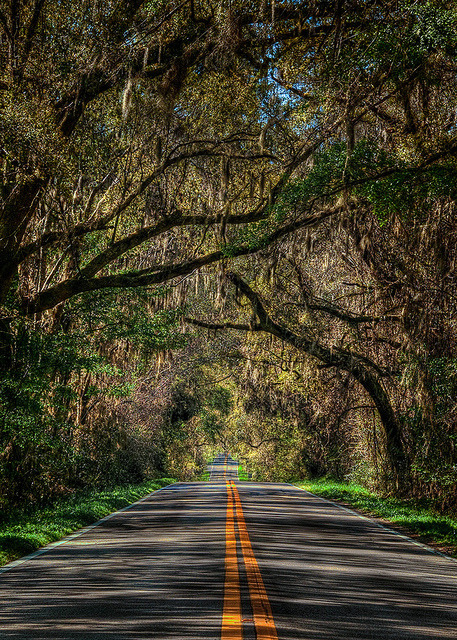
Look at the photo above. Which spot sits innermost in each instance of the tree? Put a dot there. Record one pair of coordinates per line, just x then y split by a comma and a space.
143, 143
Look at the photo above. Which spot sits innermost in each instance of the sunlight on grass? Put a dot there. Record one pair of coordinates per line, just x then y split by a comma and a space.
413, 516
242, 475
23, 532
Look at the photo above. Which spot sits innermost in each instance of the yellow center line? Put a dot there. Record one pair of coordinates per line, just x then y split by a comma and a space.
232, 628
231, 618
263, 617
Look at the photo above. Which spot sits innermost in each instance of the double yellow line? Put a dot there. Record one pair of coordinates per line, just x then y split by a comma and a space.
232, 623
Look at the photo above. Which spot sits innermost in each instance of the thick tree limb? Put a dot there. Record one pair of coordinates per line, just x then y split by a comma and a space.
31, 30
214, 326
68, 288
177, 219
344, 360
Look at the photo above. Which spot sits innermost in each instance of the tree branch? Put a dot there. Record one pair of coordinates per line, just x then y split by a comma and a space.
214, 326
53, 237
68, 288
351, 319
349, 361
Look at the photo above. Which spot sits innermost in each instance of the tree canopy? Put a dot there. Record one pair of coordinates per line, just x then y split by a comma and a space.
263, 171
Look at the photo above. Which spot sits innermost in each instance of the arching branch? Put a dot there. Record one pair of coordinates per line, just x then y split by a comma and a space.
74, 286
349, 361
215, 326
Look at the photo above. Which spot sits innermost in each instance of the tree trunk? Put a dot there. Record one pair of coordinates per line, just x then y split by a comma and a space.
14, 218
392, 431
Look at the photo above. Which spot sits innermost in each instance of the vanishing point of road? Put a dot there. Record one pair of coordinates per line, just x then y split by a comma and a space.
230, 560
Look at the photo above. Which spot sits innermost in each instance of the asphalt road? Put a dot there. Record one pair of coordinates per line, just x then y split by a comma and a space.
223, 467
225, 559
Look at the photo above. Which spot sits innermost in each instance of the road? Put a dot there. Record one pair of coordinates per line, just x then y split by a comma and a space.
228, 560
223, 467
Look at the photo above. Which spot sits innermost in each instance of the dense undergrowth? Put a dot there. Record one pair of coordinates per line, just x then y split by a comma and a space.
25, 530
415, 517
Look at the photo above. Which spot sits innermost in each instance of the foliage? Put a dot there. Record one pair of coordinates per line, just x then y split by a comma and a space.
112, 317
36, 433
243, 475
196, 422
389, 184
53, 383
158, 157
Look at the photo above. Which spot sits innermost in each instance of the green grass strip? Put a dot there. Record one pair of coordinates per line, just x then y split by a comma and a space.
242, 475
413, 517
24, 531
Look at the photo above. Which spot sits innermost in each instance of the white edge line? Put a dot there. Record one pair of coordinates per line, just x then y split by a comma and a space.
381, 526
77, 534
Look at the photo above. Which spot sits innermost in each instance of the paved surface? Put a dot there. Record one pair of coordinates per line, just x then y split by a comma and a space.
167, 568
223, 467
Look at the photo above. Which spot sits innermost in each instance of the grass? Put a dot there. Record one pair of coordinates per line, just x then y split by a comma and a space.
24, 531
411, 517
242, 475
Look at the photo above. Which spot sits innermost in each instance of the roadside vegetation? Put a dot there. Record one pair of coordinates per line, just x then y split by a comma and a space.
203, 473
23, 531
228, 226
413, 517
242, 473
